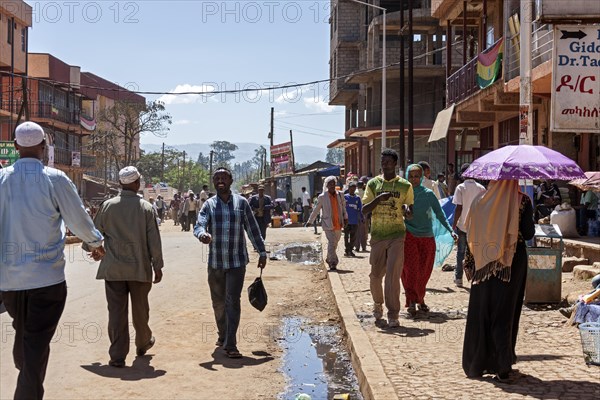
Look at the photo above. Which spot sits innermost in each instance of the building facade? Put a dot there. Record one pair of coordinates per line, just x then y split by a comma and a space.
484, 115
356, 50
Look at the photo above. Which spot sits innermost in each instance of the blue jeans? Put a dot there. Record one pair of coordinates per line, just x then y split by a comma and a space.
460, 253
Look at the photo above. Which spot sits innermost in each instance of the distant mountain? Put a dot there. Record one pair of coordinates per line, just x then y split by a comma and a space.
245, 151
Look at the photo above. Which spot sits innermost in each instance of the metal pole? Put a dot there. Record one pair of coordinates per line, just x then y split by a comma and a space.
401, 148
211, 170
525, 94
383, 90
411, 132
162, 164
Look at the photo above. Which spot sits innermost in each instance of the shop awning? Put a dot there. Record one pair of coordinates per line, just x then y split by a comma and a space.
441, 125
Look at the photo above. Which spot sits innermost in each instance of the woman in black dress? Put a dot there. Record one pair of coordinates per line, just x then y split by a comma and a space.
499, 222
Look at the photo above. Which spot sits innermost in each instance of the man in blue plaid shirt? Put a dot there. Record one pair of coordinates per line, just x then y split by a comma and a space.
221, 224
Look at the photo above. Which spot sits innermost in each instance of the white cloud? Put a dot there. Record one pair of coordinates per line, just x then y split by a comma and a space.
183, 122
318, 104
189, 98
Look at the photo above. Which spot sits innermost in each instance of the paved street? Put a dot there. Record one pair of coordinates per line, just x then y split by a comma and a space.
422, 359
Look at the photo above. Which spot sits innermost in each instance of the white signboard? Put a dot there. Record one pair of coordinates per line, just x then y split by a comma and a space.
576, 79
76, 159
51, 156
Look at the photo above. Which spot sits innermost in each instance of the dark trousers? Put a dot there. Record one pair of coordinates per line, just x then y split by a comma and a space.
361, 235
350, 231
191, 220
262, 225
117, 297
35, 315
225, 292
306, 213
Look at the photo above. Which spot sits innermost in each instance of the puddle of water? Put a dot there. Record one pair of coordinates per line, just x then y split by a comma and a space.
315, 362
301, 253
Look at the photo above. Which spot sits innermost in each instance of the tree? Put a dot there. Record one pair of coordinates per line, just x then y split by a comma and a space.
150, 166
124, 123
204, 160
335, 156
223, 152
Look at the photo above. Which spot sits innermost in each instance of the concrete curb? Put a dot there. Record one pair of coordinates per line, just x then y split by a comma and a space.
374, 383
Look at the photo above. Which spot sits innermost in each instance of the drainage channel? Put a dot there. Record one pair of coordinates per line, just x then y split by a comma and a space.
300, 253
316, 363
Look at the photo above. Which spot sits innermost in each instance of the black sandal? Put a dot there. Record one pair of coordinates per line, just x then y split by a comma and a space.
233, 354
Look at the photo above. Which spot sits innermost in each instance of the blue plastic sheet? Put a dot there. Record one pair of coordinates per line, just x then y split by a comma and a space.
444, 241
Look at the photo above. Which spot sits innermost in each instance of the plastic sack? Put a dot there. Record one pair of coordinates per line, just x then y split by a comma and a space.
444, 241
257, 294
566, 221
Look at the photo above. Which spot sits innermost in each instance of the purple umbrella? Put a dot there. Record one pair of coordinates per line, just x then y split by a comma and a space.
524, 162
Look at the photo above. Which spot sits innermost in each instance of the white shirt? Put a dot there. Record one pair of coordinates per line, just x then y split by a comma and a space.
463, 196
428, 183
305, 199
203, 196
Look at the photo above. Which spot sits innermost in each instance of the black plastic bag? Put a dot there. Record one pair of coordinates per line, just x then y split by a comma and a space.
257, 293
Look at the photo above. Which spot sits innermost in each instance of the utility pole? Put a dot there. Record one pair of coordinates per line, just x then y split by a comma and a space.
525, 93
105, 164
272, 121
162, 164
401, 148
292, 152
183, 172
211, 169
411, 128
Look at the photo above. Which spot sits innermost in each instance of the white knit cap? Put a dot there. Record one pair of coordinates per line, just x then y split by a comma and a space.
128, 175
29, 134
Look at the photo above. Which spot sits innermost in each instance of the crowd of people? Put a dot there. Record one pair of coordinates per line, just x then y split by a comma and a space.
491, 224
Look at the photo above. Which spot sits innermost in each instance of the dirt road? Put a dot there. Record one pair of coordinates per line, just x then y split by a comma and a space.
183, 364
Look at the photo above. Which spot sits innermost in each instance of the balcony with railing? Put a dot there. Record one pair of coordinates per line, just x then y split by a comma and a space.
463, 83
49, 111
542, 41
64, 157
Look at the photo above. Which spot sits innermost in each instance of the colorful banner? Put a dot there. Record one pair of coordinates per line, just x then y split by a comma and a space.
8, 154
489, 64
282, 159
88, 123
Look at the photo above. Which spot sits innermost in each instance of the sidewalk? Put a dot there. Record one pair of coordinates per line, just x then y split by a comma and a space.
422, 358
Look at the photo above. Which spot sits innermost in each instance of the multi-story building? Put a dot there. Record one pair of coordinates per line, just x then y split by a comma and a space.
101, 94
15, 21
355, 69
487, 111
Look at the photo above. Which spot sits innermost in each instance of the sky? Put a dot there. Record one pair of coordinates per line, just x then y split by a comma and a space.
181, 46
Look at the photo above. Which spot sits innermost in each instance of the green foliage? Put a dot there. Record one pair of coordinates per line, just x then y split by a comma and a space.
222, 153
335, 156
183, 177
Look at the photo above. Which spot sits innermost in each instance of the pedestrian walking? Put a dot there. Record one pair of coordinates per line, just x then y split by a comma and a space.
500, 219
289, 198
262, 205
35, 201
332, 207
363, 223
174, 206
389, 198
160, 207
427, 181
190, 211
355, 216
221, 224
452, 179
463, 197
306, 205
204, 194
441, 186
419, 245
133, 253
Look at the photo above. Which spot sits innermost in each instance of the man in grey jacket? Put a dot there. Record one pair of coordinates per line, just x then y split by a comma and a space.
133, 251
332, 206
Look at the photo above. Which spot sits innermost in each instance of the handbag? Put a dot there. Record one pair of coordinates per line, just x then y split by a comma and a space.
257, 294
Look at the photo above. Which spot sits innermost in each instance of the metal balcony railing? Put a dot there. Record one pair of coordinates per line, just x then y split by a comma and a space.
47, 110
462, 83
542, 41
64, 157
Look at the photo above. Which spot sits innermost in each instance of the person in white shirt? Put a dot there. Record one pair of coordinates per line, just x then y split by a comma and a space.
463, 197
203, 195
427, 182
306, 205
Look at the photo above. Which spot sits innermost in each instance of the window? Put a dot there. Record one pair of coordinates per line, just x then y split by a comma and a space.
24, 39
489, 37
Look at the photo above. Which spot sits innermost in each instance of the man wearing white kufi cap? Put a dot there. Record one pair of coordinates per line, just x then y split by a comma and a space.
32, 266
133, 253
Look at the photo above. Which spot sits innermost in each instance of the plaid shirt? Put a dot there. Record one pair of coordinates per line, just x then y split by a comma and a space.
226, 223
